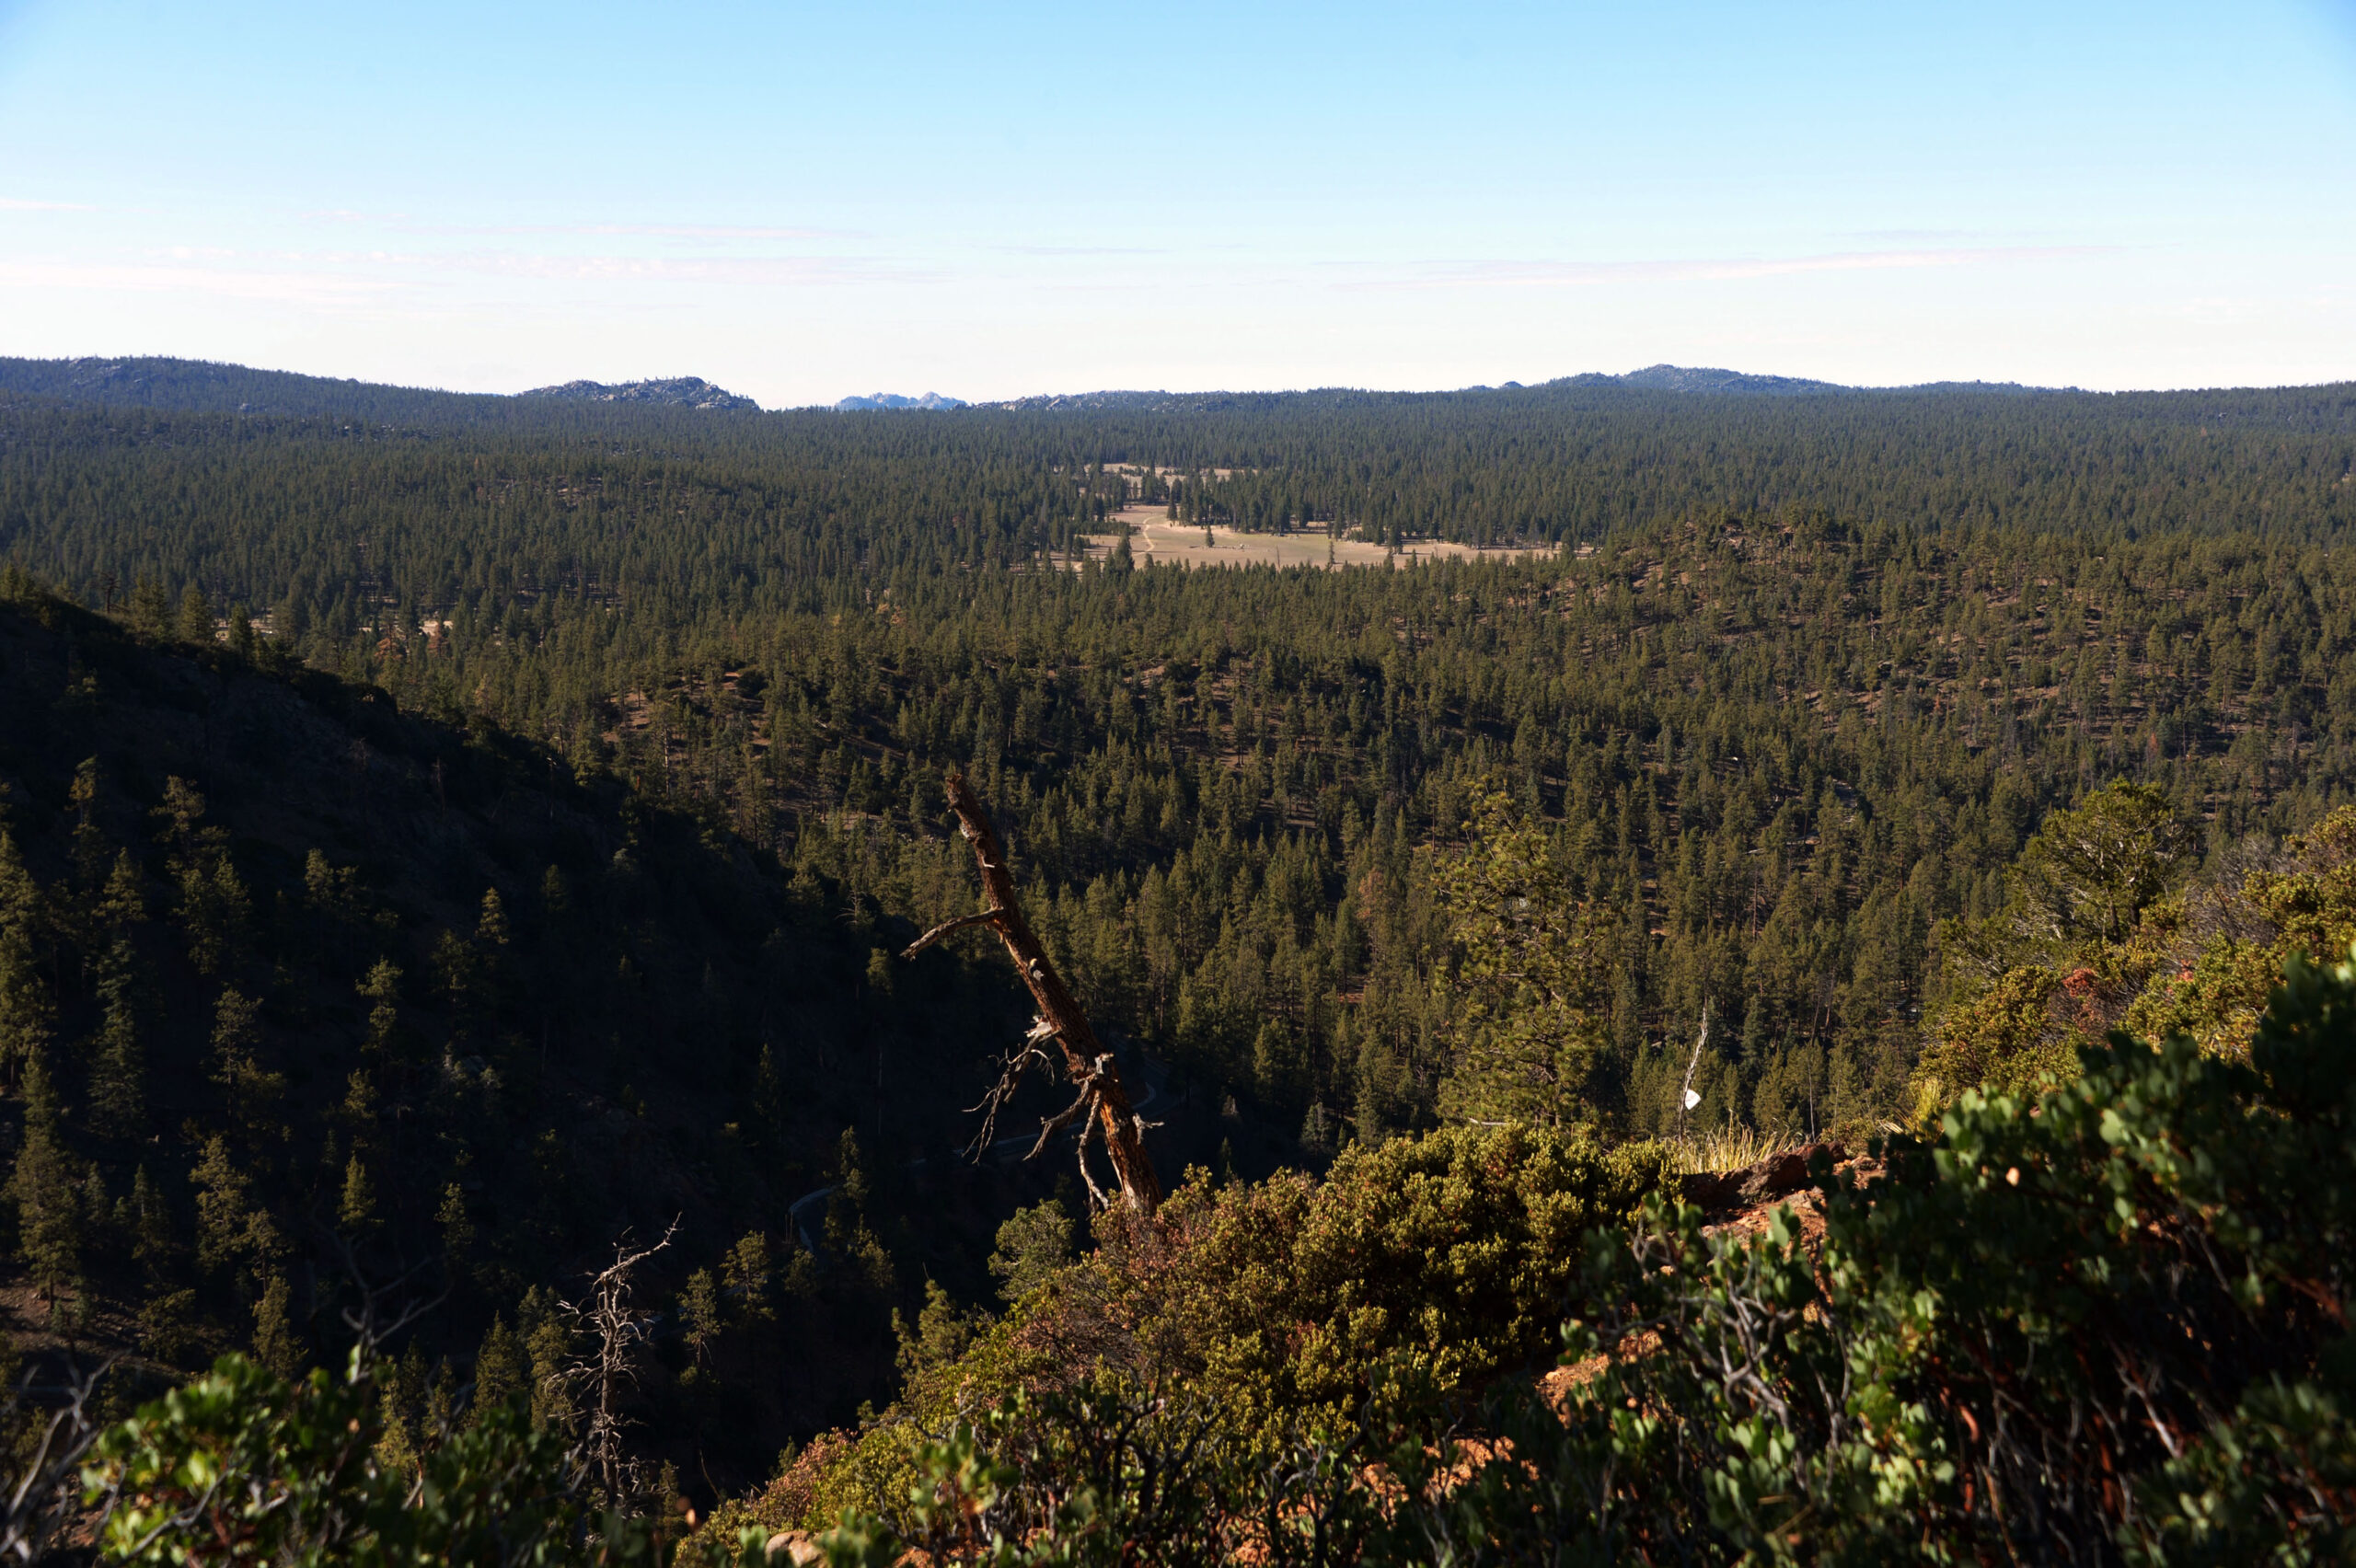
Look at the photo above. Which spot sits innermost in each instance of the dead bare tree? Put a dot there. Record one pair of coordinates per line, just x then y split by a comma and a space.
1686, 1098
1102, 1107
610, 1365
46, 1495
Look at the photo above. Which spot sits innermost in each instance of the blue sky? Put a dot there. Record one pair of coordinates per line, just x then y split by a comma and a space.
801, 201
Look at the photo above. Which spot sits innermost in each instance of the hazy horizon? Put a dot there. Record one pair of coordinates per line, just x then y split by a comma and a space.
1178, 391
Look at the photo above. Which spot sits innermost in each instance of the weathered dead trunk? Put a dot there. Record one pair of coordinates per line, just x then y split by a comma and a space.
1103, 1095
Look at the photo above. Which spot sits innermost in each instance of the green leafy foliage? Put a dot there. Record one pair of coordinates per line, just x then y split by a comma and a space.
2029, 983
1106, 1478
2029, 1339
1440, 1260
242, 1466
1415, 1271
2107, 1322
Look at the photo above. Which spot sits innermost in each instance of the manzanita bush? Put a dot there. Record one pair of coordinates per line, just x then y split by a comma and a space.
2103, 1324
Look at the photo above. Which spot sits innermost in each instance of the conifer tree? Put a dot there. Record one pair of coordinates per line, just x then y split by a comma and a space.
547, 1339
457, 1231
357, 1210
213, 904
383, 988
357, 1113
49, 1186
118, 1059
700, 1315
501, 1368
89, 843
123, 904
149, 1225
750, 1275
275, 1341
148, 608
195, 622
1524, 1004
25, 1009
491, 942
252, 1092
230, 1228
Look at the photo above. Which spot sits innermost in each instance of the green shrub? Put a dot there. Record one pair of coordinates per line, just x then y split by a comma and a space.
2111, 1320
2106, 1324
241, 1466
1442, 1259
1429, 1264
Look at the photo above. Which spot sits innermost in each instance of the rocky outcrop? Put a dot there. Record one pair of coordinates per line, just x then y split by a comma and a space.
874, 401
1774, 1177
678, 392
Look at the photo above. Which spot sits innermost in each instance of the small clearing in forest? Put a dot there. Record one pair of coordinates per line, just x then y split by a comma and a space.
1152, 536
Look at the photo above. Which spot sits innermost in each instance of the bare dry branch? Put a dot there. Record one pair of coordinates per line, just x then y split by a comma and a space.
1050, 1125
1079, 1152
368, 1325
948, 927
46, 1498
611, 1365
1009, 1078
1104, 1100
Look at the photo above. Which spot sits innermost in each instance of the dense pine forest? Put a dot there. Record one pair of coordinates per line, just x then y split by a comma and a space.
445, 838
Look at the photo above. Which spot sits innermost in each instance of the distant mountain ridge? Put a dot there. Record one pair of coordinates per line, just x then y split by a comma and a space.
1106, 401
876, 400
151, 381
1689, 381
206, 386
678, 392
1736, 383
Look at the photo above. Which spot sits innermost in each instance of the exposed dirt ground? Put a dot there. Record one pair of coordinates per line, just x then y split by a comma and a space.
1153, 536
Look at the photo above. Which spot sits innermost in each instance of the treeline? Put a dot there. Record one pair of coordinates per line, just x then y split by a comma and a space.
431, 499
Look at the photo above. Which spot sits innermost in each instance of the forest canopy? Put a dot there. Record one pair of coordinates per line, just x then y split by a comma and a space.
445, 838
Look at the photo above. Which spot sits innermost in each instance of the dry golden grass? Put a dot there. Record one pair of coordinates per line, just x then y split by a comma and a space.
1152, 537
1714, 1149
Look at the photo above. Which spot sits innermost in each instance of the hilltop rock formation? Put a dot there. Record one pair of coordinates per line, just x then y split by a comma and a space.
678, 392
896, 401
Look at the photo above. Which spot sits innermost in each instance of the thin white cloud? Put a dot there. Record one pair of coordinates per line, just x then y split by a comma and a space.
15, 204
708, 233
749, 270
236, 283
331, 276
685, 231
1082, 249
1573, 274
745, 270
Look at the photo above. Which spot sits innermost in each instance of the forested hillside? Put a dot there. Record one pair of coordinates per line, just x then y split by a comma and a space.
300, 993
470, 833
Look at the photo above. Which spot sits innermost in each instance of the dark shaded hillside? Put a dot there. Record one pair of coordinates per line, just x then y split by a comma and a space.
284, 970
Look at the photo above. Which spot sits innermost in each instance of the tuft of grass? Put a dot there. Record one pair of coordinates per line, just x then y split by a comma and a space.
1725, 1147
